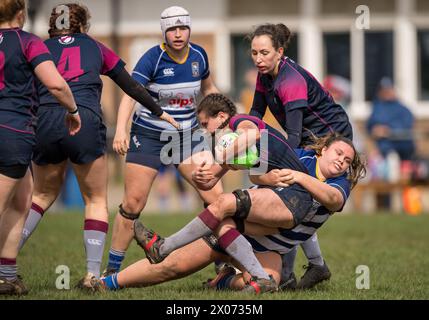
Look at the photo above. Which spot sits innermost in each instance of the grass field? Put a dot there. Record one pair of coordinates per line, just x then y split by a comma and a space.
394, 247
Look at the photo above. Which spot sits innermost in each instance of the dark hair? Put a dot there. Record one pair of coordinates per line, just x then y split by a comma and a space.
214, 103
280, 34
357, 169
79, 17
9, 9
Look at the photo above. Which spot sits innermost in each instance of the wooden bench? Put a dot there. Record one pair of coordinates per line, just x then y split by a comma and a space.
363, 196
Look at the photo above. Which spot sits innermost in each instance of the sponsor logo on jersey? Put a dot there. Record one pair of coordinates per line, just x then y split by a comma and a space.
195, 69
182, 102
1, 37
66, 40
168, 72
136, 142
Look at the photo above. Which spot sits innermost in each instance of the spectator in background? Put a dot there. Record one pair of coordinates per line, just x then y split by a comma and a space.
391, 123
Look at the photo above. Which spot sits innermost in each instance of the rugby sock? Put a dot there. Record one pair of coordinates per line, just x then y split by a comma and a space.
312, 250
236, 245
115, 259
94, 235
202, 225
8, 268
33, 219
111, 282
288, 260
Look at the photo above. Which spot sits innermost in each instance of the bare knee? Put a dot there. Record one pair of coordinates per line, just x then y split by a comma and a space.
21, 202
95, 203
225, 226
223, 206
134, 204
45, 194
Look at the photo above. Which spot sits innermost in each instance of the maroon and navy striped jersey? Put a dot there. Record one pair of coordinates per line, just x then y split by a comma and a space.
81, 60
20, 53
296, 88
273, 149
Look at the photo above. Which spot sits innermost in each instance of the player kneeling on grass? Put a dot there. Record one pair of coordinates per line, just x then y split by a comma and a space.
281, 207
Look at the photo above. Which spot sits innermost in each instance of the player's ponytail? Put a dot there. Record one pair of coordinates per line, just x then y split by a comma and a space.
283, 35
78, 20
9, 9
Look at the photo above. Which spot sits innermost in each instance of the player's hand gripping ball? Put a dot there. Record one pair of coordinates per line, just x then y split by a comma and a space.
244, 160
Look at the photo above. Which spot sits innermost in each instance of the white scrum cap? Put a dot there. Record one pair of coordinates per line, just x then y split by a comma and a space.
174, 17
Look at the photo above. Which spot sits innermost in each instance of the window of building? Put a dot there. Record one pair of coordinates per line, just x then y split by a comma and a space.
378, 60
337, 54
423, 42
422, 6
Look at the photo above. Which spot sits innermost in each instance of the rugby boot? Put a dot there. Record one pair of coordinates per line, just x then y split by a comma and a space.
149, 241
313, 275
90, 283
258, 285
288, 284
12, 287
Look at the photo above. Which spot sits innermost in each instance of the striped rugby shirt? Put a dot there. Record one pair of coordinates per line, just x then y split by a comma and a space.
284, 241
175, 86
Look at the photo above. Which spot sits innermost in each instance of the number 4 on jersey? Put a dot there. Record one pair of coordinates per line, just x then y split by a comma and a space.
69, 65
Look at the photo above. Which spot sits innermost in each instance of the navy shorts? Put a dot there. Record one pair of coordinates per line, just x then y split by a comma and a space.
16, 149
298, 200
54, 144
147, 149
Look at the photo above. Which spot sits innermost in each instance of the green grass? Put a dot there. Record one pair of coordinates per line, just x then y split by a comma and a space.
394, 247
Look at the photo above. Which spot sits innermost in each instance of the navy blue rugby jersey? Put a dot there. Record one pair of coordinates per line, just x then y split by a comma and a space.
81, 60
174, 85
296, 88
273, 148
20, 53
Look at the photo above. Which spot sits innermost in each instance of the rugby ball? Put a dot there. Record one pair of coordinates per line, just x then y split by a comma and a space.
245, 160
